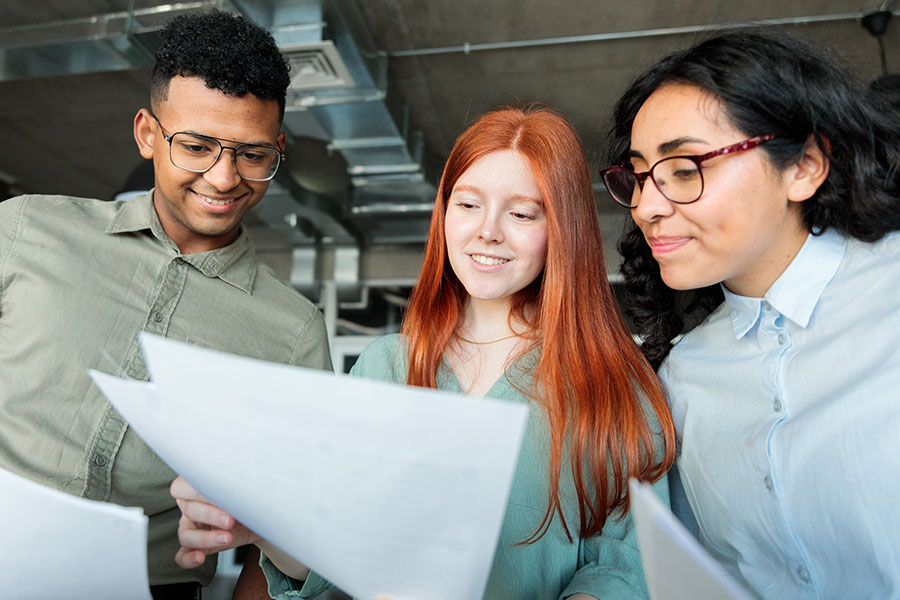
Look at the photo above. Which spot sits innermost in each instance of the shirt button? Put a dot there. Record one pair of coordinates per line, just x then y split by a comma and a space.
769, 485
100, 460
157, 317
781, 338
776, 405
803, 574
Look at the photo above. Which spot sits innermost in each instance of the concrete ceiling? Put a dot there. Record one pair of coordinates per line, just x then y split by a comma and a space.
438, 64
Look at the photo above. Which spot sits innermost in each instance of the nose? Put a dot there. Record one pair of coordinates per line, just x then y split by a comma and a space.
490, 229
223, 175
651, 205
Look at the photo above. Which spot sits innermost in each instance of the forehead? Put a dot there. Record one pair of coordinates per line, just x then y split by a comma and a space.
500, 169
679, 111
192, 106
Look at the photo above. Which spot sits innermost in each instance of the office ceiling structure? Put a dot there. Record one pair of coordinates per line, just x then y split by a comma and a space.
380, 89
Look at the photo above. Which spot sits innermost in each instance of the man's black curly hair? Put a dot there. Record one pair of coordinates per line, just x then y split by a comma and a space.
228, 52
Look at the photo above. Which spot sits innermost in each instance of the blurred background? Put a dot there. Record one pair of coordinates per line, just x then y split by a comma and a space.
380, 89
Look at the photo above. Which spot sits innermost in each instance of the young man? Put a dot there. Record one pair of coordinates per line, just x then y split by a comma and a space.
79, 278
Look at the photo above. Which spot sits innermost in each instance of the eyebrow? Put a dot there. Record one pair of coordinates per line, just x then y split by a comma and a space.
670, 146
237, 142
477, 191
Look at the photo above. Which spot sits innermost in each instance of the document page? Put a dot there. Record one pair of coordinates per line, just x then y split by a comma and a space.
56, 545
385, 490
676, 566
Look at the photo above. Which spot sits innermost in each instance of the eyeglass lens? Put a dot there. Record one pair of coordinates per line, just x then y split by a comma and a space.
677, 178
199, 154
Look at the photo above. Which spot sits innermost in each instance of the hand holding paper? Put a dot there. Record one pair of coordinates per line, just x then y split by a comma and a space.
385, 490
204, 528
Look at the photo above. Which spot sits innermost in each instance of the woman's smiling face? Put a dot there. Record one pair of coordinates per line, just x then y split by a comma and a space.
495, 227
746, 227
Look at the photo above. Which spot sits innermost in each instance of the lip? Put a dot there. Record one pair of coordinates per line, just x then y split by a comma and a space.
215, 207
663, 245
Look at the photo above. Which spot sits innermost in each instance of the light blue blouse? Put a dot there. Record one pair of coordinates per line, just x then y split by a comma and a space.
787, 410
606, 566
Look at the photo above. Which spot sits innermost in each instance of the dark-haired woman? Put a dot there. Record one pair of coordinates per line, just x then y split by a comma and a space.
512, 303
763, 186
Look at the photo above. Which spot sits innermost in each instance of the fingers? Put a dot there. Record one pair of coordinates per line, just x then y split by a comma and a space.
198, 541
204, 528
204, 513
209, 528
182, 490
189, 558
196, 536
194, 548
197, 508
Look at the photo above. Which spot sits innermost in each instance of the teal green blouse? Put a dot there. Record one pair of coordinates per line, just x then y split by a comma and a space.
604, 566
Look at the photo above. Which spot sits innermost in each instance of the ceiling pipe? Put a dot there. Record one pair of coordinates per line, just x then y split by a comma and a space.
468, 48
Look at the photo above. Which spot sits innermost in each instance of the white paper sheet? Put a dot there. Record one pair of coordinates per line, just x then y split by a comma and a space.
676, 566
385, 490
55, 545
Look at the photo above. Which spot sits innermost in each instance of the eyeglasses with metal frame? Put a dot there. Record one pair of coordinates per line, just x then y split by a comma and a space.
198, 153
678, 178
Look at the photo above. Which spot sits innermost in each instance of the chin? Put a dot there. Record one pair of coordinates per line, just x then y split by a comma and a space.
487, 296
682, 283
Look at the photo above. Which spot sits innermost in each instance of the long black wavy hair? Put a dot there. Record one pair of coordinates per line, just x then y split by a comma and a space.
768, 82
228, 52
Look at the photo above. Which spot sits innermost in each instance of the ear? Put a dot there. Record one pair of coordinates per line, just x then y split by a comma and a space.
144, 132
810, 172
281, 140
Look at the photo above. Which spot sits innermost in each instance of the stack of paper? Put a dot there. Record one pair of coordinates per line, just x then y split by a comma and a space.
55, 545
385, 490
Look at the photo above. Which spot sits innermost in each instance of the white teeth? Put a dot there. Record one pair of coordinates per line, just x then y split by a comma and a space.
216, 202
488, 260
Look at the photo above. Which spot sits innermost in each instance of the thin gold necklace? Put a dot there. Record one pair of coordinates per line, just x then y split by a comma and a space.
461, 338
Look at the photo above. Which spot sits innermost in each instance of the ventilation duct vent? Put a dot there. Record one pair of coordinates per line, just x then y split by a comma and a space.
316, 66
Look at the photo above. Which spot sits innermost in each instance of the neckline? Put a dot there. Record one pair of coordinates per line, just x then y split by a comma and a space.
448, 372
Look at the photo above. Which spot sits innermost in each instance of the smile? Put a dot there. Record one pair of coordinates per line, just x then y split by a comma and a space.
488, 260
216, 202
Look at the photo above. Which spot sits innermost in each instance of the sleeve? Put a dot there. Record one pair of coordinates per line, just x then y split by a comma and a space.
311, 348
282, 587
612, 563
10, 218
380, 361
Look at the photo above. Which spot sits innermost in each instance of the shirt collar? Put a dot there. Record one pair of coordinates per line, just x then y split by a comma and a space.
135, 215
234, 264
744, 312
797, 291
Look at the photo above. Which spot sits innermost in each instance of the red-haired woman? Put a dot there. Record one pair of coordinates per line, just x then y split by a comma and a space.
513, 303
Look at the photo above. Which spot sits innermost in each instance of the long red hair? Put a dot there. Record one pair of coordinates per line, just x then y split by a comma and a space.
602, 399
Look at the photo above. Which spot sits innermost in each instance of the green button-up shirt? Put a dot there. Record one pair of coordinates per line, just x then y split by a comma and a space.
78, 280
